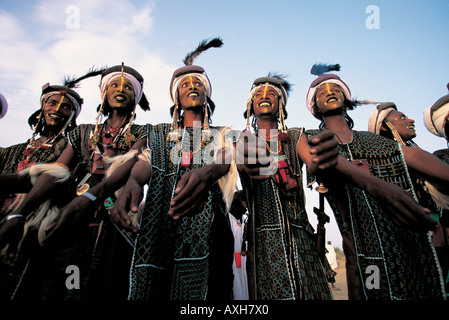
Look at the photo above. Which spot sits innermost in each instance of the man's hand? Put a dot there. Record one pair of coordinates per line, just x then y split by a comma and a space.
252, 159
324, 150
401, 207
193, 188
11, 233
128, 200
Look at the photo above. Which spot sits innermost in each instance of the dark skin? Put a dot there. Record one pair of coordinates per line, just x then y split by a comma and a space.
318, 152
404, 209
122, 99
319, 156
56, 112
404, 125
190, 192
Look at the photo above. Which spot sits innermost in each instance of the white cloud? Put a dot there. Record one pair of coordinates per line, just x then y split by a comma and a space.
44, 49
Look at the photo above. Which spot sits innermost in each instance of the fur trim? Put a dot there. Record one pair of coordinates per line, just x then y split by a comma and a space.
145, 155
442, 200
41, 219
228, 182
53, 169
117, 161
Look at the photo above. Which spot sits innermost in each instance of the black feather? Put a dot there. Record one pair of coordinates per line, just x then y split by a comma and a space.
73, 82
282, 78
144, 103
202, 46
319, 69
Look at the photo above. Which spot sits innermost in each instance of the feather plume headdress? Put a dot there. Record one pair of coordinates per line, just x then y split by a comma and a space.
319, 69
140, 99
67, 90
192, 70
322, 70
279, 83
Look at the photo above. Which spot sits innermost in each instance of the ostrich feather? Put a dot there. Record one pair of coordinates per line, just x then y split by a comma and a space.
202, 46
72, 82
319, 69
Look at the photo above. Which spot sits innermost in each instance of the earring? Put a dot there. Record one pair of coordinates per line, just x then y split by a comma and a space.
248, 113
206, 132
281, 118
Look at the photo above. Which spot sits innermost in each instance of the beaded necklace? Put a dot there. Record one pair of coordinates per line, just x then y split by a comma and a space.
187, 156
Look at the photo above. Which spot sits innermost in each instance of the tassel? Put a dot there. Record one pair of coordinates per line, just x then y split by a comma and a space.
281, 118
206, 132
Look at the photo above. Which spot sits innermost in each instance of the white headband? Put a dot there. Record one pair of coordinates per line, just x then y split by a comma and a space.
75, 103
376, 119
249, 101
310, 98
203, 78
137, 86
434, 120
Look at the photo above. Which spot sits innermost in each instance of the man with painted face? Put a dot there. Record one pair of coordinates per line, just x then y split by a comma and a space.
60, 106
283, 261
86, 234
389, 237
184, 248
386, 120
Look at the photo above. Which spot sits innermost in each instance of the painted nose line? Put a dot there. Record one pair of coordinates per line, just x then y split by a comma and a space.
60, 103
122, 79
265, 90
191, 82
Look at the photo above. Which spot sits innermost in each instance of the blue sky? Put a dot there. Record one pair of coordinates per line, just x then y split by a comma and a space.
404, 60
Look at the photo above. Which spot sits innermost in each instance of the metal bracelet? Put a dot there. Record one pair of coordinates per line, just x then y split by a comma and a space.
89, 195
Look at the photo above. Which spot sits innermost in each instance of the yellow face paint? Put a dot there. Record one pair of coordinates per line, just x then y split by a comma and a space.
265, 90
60, 102
191, 82
52, 122
328, 88
122, 79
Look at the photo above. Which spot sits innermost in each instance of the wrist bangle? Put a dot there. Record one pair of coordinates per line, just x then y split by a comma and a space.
12, 216
89, 195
